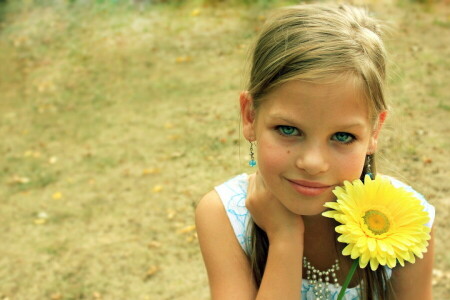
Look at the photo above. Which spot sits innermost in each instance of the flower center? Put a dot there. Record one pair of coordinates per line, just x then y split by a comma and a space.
377, 222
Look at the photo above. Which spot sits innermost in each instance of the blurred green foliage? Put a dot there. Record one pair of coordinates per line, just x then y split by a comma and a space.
20, 5
138, 3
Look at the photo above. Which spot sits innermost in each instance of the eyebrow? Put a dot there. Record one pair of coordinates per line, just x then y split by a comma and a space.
290, 121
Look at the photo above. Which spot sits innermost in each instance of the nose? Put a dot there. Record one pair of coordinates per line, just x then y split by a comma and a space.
312, 159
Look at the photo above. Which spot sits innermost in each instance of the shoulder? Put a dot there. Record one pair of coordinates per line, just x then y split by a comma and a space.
220, 206
229, 194
227, 266
227, 204
210, 204
211, 220
235, 188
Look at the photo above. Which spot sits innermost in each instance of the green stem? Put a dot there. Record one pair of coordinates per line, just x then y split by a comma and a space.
348, 279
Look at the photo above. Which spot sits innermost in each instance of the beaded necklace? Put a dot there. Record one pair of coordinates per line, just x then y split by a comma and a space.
321, 279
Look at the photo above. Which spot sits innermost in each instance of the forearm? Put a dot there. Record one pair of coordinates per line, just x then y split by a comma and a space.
283, 273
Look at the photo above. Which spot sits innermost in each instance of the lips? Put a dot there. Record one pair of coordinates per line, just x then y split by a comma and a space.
309, 188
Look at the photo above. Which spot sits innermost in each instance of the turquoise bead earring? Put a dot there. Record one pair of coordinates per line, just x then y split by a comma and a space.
252, 161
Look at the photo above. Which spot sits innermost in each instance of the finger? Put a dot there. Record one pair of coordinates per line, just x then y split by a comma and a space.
251, 182
260, 181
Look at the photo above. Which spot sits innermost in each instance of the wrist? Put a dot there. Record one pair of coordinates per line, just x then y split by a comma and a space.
291, 231
286, 237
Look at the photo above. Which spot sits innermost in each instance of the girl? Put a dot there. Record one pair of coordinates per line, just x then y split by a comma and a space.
313, 112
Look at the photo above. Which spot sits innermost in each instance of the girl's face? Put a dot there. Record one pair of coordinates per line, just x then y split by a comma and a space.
310, 138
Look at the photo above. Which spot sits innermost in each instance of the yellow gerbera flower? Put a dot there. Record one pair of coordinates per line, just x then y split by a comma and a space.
381, 224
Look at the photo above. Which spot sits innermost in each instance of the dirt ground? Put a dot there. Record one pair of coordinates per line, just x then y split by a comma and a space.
116, 120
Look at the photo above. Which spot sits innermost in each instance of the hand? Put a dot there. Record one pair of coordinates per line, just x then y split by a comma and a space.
269, 213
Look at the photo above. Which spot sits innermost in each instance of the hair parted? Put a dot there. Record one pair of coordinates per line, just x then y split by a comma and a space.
320, 43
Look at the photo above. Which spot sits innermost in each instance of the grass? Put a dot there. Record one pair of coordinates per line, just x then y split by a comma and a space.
117, 119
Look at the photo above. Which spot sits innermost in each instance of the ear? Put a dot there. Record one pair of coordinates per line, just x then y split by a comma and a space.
247, 115
374, 139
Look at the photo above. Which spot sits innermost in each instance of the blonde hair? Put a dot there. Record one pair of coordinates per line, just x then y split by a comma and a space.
320, 43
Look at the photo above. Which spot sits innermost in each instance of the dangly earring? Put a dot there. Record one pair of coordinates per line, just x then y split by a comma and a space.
252, 161
368, 166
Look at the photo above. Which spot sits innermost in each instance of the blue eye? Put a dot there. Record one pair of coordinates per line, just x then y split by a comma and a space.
343, 137
287, 130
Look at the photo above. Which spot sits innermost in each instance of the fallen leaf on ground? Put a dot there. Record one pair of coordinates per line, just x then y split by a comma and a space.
427, 160
154, 244
187, 229
173, 137
157, 188
171, 214
42, 215
195, 12
151, 271
18, 179
56, 296
31, 153
191, 238
19, 41
151, 171
57, 196
176, 154
183, 59
40, 221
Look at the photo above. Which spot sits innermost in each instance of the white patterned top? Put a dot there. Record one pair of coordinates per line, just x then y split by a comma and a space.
233, 194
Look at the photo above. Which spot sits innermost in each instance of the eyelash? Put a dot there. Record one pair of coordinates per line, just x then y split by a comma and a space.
351, 136
280, 128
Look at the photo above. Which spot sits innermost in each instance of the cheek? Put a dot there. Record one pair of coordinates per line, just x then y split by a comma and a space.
272, 157
352, 167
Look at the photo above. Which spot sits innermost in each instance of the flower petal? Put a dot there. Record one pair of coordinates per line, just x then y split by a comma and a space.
373, 264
